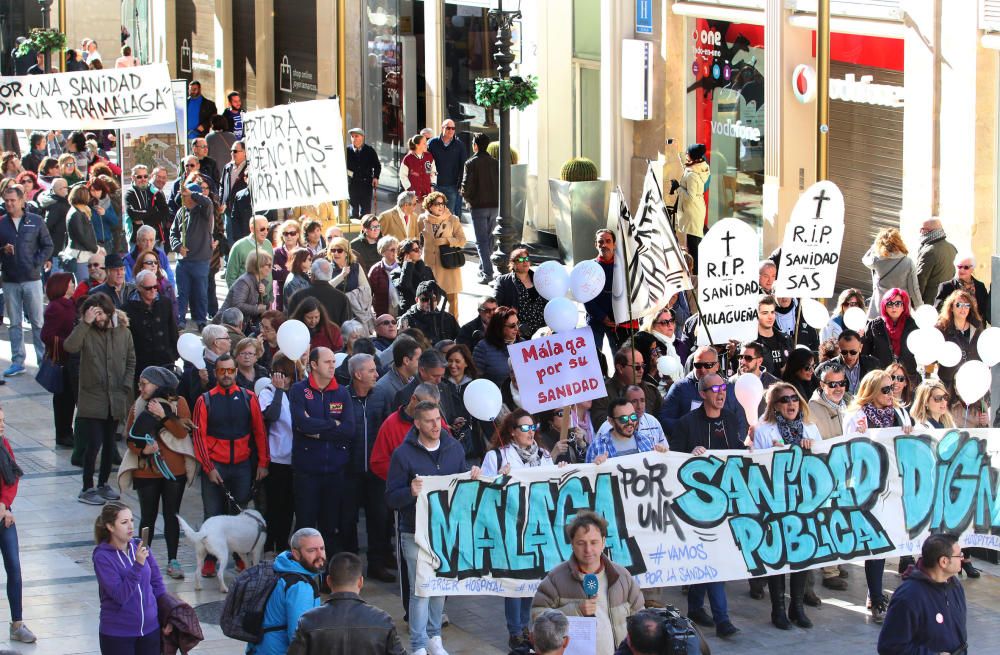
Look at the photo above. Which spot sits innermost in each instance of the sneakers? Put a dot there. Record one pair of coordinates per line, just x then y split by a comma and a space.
174, 570
91, 497
241, 566
435, 647
107, 493
877, 608
13, 369
208, 569
420, 651
22, 634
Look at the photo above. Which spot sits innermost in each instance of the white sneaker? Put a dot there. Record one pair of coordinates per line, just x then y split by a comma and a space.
435, 647
420, 651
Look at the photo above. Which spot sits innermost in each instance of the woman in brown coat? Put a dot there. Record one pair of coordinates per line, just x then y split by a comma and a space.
438, 227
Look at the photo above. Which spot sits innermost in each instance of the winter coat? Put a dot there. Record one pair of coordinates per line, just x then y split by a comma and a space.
293, 284
382, 298
449, 229
130, 257
211, 447
767, 435
894, 271
412, 459
154, 331
436, 325
681, 399
366, 253
694, 429
877, 344
449, 158
924, 617
146, 207
970, 350
186, 629
338, 308
244, 294
128, 591
903, 419
481, 183
236, 265
982, 297
107, 367
286, 605
691, 205
192, 229
491, 361
599, 307
407, 278
324, 430
363, 165
56, 208
32, 248
57, 323
80, 230
391, 434
829, 418
935, 264
368, 414
418, 174
346, 624
496, 459
393, 223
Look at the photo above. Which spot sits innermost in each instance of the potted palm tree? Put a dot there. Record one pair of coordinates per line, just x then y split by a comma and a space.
579, 202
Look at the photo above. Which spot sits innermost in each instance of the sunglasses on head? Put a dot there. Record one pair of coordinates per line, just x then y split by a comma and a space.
894, 303
225, 371
531, 427
705, 365
625, 419
784, 400
836, 384
886, 389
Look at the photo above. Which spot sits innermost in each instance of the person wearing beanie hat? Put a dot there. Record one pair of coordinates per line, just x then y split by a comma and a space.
426, 314
159, 461
690, 220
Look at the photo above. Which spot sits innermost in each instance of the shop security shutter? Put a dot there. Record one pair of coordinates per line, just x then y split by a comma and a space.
989, 15
866, 162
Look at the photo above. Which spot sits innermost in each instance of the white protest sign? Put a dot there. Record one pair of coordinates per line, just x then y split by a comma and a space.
95, 99
678, 519
557, 370
810, 250
728, 291
295, 155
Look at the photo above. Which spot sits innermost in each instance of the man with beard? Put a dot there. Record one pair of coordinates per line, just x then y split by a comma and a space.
299, 571
144, 205
622, 439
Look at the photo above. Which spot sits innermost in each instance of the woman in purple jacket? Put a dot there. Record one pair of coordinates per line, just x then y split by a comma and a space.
129, 582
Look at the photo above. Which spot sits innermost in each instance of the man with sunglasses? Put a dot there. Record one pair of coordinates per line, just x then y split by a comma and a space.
152, 322
144, 205
646, 427
234, 180
684, 397
751, 360
365, 246
629, 369
856, 366
622, 437
255, 241
927, 613
450, 154
473, 332
189, 165
426, 314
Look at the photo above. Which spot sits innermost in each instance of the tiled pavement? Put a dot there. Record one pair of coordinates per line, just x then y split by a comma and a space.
60, 594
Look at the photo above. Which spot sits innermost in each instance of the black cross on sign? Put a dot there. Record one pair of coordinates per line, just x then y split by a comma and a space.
729, 237
819, 205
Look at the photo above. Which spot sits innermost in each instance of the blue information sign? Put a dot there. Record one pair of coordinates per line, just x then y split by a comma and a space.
643, 16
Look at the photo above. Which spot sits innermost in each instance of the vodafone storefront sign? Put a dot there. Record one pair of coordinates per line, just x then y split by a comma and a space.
849, 89
804, 83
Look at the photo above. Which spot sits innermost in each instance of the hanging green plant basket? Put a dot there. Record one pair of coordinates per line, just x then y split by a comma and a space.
509, 93
42, 41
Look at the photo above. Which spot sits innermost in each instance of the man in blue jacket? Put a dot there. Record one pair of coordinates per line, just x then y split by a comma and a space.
323, 437
296, 592
683, 396
927, 612
424, 451
449, 154
25, 248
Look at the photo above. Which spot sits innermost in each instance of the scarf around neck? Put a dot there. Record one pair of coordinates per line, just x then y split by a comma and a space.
791, 431
933, 235
530, 456
879, 418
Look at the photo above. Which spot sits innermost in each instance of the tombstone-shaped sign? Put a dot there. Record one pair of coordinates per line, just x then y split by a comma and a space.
810, 250
728, 263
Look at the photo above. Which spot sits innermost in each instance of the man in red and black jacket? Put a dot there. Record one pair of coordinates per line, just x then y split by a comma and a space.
230, 433
323, 439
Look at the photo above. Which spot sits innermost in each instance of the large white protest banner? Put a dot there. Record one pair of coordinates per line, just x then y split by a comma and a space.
295, 155
557, 370
728, 262
113, 98
656, 269
810, 250
676, 519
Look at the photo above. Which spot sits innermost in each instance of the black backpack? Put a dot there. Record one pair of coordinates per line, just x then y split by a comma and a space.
243, 613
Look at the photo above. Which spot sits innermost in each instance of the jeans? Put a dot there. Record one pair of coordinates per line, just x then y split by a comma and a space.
22, 298
150, 491
716, 599
425, 613
192, 288
12, 565
145, 645
518, 613
454, 199
322, 501
238, 478
99, 435
483, 222
874, 568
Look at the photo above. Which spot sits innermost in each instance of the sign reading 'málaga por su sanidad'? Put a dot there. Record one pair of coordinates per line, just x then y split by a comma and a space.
113, 98
557, 370
295, 155
676, 519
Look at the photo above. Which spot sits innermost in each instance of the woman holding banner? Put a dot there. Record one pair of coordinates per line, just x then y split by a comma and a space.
514, 447
786, 423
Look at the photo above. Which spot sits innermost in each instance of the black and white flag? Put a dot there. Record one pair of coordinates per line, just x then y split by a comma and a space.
656, 269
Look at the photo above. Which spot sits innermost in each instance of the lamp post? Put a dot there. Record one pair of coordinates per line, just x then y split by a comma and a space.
46, 6
504, 231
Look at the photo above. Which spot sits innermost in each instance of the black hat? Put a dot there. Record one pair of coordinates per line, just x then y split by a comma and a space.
429, 287
114, 260
696, 151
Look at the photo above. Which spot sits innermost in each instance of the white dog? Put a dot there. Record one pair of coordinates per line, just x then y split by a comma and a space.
243, 534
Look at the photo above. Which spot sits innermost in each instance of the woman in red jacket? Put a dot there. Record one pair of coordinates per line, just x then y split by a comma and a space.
59, 318
417, 172
9, 473
322, 332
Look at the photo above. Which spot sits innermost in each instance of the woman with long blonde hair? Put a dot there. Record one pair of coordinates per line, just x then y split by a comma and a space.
930, 406
891, 268
350, 277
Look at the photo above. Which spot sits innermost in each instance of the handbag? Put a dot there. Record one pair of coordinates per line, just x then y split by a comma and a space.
50, 374
451, 257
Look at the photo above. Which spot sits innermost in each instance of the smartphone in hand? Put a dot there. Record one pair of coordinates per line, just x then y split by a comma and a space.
144, 537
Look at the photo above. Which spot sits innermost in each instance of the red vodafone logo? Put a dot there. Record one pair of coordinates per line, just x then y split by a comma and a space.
804, 83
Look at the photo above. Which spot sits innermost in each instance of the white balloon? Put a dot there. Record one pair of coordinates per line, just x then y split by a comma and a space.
190, 348
855, 318
587, 280
293, 339
815, 314
923, 345
670, 366
989, 346
339, 358
560, 314
259, 385
483, 400
552, 280
925, 316
749, 392
950, 354
972, 381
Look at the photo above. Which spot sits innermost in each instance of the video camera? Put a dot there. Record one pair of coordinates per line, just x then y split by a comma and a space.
681, 637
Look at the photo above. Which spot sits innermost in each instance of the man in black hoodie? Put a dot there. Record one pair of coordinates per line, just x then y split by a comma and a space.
927, 612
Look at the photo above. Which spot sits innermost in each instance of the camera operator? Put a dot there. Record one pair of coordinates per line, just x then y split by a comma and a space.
549, 633
660, 632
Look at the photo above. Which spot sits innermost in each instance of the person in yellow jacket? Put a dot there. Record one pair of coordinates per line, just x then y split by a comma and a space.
691, 199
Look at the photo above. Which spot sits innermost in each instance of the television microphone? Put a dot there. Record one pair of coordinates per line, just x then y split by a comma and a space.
590, 585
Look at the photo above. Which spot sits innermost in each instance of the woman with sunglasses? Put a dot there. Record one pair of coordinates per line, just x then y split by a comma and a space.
965, 264
574, 449
149, 260
517, 289
786, 423
297, 278
438, 227
930, 406
411, 272
350, 278
459, 372
68, 170
248, 292
892, 269
848, 298
901, 389
291, 239
29, 182
961, 324
514, 447
490, 354
798, 371
885, 336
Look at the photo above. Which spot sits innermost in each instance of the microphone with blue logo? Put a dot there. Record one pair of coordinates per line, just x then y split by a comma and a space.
590, 586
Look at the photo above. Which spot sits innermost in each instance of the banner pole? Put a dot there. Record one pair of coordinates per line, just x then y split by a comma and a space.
628, 279
798, 321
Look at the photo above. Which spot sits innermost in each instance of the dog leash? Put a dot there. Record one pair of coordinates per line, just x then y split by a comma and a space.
261, 526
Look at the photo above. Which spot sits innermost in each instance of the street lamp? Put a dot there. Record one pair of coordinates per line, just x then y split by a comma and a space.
46, 6
507, 239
